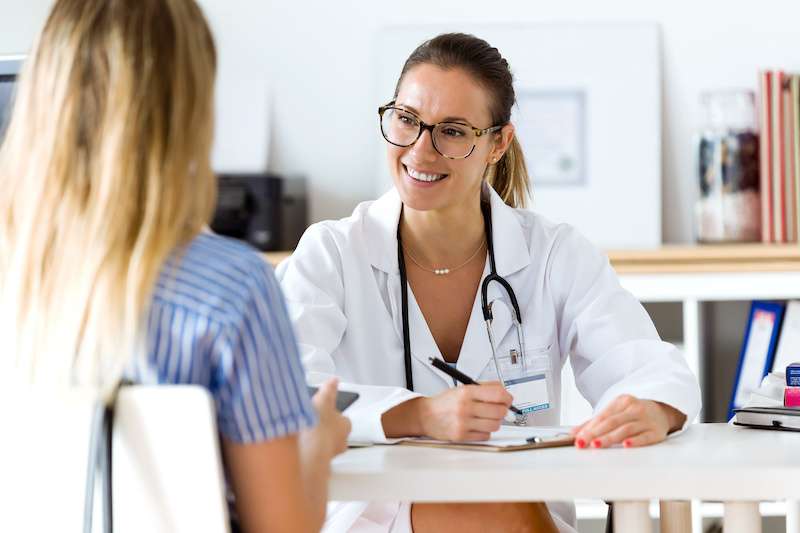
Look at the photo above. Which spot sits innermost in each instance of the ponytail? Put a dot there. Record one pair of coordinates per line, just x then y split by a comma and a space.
509, 177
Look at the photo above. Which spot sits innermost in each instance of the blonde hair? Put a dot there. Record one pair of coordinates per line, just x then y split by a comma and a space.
509, 177
104, 171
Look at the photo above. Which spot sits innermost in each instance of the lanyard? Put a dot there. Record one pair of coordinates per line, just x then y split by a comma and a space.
487, 308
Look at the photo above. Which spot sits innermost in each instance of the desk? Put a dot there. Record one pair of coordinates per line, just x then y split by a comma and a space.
709, 462
693, 275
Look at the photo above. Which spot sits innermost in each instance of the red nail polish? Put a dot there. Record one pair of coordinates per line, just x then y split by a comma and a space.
596, 443
580, 443
627, 444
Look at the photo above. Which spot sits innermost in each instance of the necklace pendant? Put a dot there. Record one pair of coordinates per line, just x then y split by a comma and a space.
441, 271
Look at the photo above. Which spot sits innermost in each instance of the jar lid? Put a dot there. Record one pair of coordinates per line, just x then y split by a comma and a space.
729, 109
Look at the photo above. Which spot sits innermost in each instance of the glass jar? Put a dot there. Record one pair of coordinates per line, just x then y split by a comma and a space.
729, 206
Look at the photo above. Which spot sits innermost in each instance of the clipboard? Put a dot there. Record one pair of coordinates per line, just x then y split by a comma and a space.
507, 439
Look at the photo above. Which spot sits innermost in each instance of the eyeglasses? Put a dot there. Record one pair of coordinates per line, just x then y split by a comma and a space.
453, 140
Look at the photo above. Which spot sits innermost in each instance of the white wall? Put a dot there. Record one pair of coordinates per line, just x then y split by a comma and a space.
319, 57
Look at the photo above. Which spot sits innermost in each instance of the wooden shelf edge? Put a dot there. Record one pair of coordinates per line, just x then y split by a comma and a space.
716, 252
706, 268
685, 259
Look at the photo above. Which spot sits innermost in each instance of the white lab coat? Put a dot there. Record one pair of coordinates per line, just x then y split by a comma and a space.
342, 287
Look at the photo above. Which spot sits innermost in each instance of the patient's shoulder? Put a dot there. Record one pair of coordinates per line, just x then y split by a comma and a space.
215, 276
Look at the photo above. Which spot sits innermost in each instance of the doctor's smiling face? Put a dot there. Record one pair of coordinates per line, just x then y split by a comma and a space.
424, 178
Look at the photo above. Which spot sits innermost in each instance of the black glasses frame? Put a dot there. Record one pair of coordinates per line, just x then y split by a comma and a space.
423, 126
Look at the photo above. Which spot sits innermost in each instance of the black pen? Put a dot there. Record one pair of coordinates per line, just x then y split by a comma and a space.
461, 377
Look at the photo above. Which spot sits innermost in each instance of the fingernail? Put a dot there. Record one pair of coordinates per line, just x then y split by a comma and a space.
627, 443
580, 443
596, 443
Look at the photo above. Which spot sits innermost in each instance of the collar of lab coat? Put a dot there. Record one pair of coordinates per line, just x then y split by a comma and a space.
510, 247
511, 255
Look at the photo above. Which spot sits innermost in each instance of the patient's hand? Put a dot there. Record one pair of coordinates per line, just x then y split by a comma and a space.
330, 434
629, 421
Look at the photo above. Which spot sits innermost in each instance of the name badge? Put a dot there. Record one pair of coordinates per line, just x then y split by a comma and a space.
526, 377
530, 393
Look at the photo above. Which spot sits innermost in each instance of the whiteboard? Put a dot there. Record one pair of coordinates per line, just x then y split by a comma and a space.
613, 197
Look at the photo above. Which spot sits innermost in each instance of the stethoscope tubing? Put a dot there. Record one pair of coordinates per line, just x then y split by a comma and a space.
401, 263
493, 275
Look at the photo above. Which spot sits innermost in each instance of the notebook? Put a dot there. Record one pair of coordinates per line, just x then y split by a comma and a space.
780, 418
506, 439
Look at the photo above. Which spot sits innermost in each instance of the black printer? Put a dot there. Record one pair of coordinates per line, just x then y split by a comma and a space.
267, 210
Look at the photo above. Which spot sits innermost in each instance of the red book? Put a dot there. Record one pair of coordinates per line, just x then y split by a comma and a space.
765, 156
778, 162
794, 152
790, 195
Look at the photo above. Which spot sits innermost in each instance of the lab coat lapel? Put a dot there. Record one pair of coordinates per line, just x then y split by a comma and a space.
380, 231
511, 252
396, 309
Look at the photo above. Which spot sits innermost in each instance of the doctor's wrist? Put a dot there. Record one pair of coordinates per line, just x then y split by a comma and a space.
675, 418
405, 419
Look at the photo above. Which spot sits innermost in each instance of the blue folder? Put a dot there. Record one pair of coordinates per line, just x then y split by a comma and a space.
762, 359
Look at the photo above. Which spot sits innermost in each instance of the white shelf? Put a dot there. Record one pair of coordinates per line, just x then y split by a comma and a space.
713, 286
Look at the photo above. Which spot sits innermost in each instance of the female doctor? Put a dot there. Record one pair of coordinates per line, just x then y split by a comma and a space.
404, 278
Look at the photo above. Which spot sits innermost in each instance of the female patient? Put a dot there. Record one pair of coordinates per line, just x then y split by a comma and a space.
375, 295
106, 272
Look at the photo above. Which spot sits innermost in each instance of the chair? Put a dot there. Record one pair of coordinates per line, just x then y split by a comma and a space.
167, 472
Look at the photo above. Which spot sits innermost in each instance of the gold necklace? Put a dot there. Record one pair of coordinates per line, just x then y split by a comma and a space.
445, 271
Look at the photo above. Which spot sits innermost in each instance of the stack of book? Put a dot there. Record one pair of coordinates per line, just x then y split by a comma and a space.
774, 405
771, 343
779, 97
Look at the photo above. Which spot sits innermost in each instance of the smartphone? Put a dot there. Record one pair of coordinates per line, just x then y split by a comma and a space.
344, 399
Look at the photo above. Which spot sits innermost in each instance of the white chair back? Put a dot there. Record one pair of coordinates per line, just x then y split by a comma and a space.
44, 453
167, 472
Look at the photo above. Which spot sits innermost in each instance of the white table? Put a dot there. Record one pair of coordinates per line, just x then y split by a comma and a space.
739, 466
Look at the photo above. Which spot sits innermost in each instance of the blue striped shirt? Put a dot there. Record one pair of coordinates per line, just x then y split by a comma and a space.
218, 320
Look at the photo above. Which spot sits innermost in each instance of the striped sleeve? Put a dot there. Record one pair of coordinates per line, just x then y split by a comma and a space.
260, 386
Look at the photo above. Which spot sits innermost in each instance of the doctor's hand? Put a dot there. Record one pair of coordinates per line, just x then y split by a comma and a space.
468, 412
629, 421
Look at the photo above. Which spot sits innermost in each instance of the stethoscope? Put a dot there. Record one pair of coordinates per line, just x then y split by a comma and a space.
486, 306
